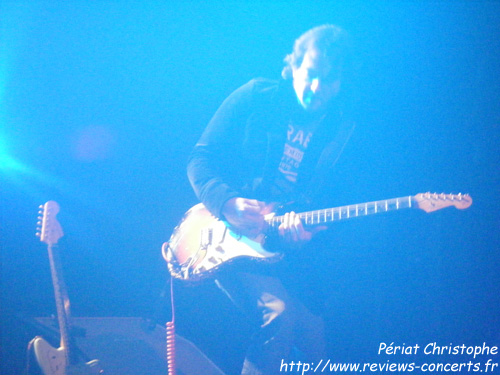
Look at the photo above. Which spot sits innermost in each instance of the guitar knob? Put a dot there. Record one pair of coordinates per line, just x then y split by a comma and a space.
220, 249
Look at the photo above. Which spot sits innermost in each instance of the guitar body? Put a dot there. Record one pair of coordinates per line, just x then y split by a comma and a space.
53, 361
201, 243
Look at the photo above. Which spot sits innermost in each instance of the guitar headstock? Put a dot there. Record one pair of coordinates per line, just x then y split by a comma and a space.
48, 228
432, 201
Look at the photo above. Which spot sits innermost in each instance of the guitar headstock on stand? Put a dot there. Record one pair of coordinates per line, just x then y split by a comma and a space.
48, 228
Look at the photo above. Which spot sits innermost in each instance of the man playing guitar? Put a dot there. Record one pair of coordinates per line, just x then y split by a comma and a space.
272, 141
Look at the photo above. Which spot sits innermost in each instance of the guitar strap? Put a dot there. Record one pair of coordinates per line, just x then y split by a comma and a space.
328, 158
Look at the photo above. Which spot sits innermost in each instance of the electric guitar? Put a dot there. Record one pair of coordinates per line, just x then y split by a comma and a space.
63, 360
201, 243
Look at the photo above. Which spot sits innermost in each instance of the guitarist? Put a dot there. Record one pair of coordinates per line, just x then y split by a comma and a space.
273, 141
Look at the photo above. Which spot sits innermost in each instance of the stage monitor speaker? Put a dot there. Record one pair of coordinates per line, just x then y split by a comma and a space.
129, 346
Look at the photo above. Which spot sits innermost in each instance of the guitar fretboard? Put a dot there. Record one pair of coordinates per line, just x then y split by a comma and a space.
329, 215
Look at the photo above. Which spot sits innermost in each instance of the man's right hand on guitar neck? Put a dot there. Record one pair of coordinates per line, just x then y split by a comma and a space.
245, 216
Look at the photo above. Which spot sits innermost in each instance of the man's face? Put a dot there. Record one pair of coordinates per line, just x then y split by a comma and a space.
315, 81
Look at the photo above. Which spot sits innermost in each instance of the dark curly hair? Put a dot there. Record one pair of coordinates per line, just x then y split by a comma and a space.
330, 40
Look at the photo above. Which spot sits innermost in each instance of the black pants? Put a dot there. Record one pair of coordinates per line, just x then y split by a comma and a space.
287, 327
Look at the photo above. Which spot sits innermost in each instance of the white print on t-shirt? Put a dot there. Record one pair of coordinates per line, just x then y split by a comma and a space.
297, 141
298, 137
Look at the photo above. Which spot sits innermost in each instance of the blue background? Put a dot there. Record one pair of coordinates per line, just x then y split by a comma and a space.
101, 102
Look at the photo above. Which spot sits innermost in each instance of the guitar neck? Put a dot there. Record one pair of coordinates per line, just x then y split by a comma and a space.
329, 215
424, 201
62, 301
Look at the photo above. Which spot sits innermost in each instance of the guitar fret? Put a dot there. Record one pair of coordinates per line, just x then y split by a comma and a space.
349, 211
